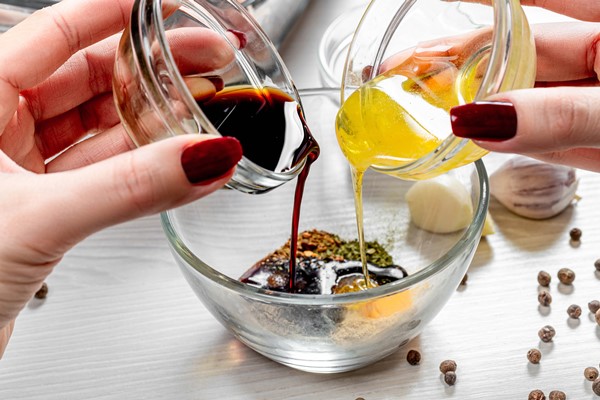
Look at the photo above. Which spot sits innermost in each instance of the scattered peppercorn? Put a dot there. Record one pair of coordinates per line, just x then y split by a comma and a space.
594, 306
544, 278
557, 395
534, 356
597, 316
544, 298
360, 398
450, 378
546, 334
590, 373
596, 386
575, 234
413, 357
597, 264
42, 291
566, 276
574, 311
447, 366
536, 395
464, 280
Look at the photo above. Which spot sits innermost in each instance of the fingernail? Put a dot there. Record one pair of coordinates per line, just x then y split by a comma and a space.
241, 36
491, 121
217, 81
366, 73
209, 160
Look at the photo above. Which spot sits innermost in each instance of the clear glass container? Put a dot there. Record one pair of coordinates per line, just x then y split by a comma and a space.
427, 56
161, 50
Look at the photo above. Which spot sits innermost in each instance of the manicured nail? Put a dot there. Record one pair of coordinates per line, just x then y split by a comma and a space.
491, 121
209, 160
241, 36
366, 73
217, 81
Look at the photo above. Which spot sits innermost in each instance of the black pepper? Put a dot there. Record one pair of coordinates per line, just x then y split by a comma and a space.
413, 357
594, 306
566, 276
575, 234
574, 311
596, 387
447, 366
557, 395
544, 278
544, 298
590, 373
546, 334
534, 356
450, 378
536, 395
42, 291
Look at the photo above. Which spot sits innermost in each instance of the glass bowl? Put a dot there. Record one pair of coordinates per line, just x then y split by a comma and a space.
216, 239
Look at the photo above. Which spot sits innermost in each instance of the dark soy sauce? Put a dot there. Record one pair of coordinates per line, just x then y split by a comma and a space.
273, 133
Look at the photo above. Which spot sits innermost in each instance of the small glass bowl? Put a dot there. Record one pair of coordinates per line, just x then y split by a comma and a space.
449, 43
218, 238
163, 46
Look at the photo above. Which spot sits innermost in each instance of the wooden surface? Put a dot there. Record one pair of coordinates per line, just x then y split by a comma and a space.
120, 322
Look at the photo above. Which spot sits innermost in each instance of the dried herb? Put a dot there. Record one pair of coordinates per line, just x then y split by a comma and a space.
376, 254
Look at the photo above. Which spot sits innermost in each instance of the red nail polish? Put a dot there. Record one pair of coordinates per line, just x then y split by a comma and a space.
209, 160
241, 37
491, 121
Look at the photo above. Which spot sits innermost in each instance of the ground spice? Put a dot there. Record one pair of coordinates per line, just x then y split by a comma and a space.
413, 357
42, 291
544, 278
447, 366
566, 276
534, 356
557, 395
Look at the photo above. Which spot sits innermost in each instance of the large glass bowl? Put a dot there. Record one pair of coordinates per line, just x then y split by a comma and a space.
216, 239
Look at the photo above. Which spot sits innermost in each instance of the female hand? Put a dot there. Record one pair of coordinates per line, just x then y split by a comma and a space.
55, 89
559, 120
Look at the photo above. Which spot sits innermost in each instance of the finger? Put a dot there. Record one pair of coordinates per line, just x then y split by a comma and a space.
583, 158
585, 10
140, 182
540, 120
567, 51
99, 147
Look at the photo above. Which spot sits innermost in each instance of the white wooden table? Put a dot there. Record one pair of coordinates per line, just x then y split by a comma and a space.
120, 322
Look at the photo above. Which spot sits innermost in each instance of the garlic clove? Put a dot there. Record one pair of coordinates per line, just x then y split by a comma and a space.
489, 227
532, 188
440, 205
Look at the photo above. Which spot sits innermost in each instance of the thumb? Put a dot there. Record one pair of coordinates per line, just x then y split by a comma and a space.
144, 181
532, 121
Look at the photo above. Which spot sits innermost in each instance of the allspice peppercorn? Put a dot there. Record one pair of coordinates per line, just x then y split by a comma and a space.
544, 298
544, 278
566, 276
557, 395
574, 311
546, 334
536, 395
594, 306
450, 378
42, 292
575, 234
447, 366
413, 357
597, 316
534, 356
597, 264
590, 373
596, 387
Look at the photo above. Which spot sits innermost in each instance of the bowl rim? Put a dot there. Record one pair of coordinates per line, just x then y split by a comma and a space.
471, 234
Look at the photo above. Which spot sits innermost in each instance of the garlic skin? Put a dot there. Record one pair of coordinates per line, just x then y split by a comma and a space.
532, 188
440, 205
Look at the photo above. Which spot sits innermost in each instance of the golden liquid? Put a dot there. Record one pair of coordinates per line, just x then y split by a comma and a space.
401, 116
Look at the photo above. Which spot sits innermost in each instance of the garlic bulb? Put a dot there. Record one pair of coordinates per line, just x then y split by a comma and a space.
534, 189
440, 205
